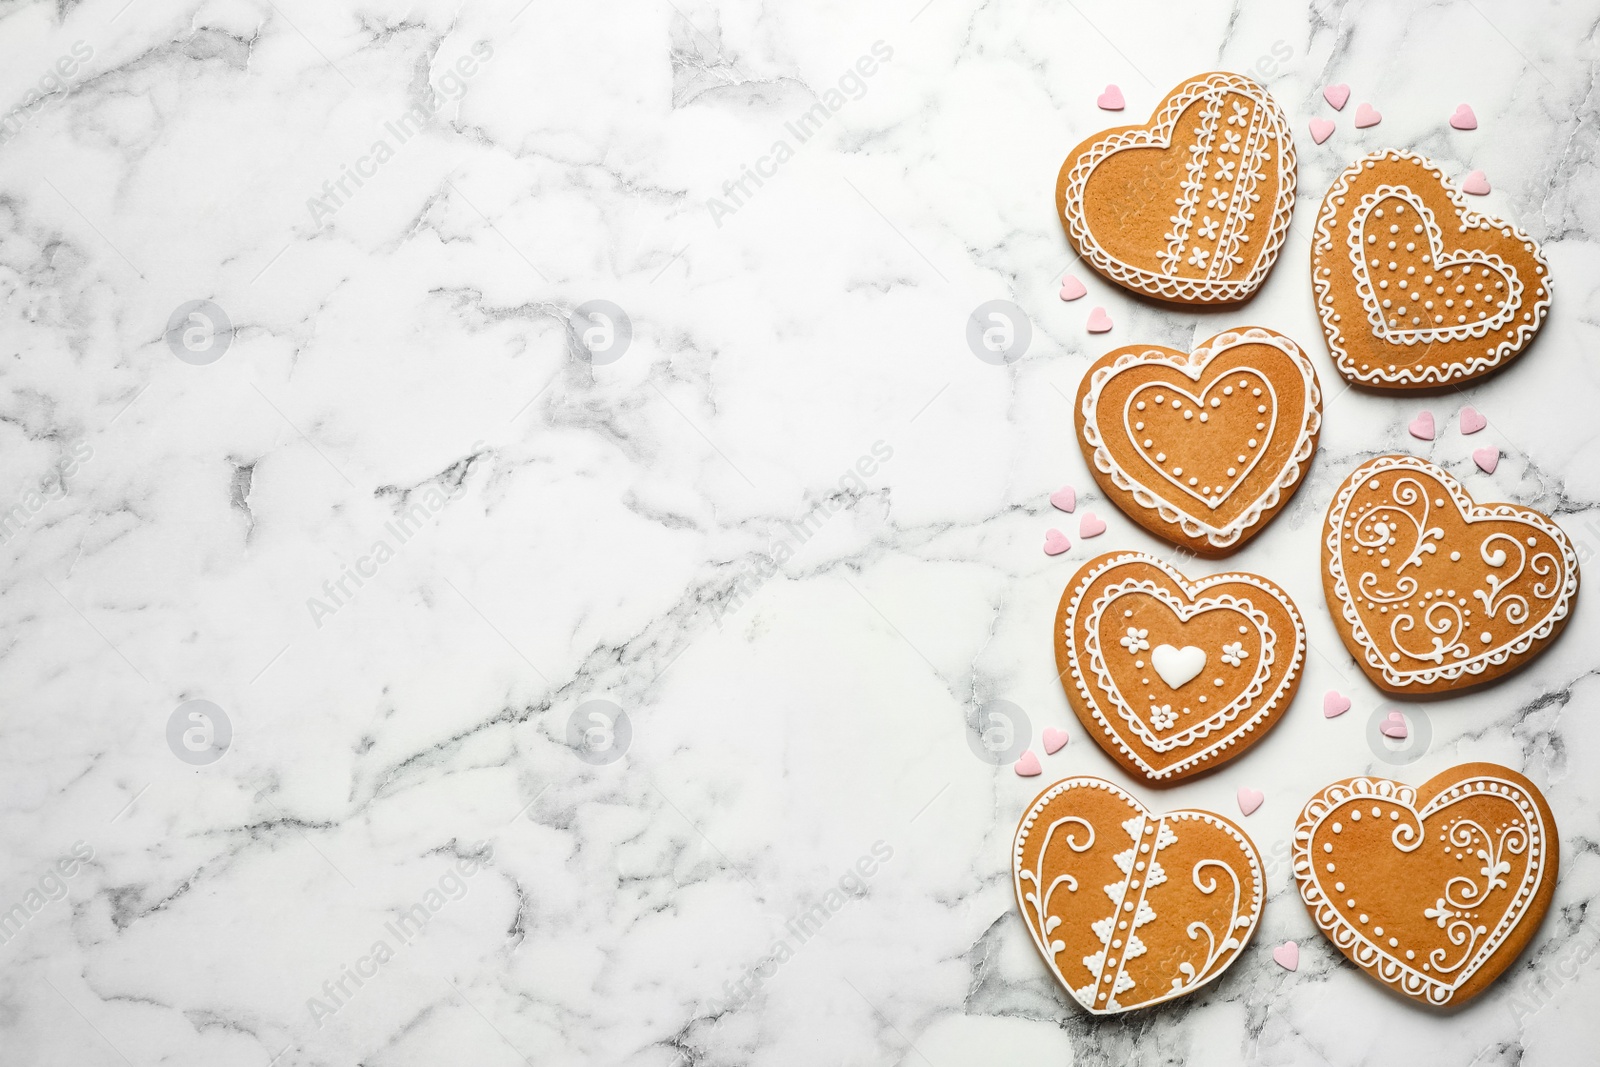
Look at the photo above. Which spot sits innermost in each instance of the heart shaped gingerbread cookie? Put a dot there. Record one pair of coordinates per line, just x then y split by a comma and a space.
1415, 289
1433, 592
1173, 677
1202, 448
1434, 890
1194, 205
1127, 907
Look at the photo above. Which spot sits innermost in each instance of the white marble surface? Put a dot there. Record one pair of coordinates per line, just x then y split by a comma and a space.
583, 528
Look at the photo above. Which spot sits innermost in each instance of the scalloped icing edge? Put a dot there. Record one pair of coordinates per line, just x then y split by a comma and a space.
1192, 589
1438, 374
1158, 135
1467, 506
1288, 478
1376, 960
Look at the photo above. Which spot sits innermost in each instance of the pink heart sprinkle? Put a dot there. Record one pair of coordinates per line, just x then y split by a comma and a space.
1476, 184
1334, 704
1055, 543
1054, 740
1099, 321
1064, 499
1249, 799
1336, 95
1028, 765
1422, 426
1464, 119
1072, 288
1394, 726
1321, 130
1287, 956
1471, 421
1111, 99
1487, 459
1090, 525
1367, 115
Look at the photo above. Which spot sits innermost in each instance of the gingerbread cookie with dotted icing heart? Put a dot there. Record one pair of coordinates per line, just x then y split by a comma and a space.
1204, 447
1194, 205
1433, 592
1433, 890
1415, 289
1174, 677
1130, 908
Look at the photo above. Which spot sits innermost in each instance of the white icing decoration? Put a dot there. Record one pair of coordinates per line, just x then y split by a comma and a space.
1443, 623
1381, 372
1437, 979
1233, 183
1226, 723
1438, 261
1178, 665
1132, 900
1156, 493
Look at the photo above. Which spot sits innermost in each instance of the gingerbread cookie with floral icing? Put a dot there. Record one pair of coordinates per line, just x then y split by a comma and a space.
1434, 592
1416, 289
1204, 447
1174, 677
1128, 907
1191, 207
1432, 890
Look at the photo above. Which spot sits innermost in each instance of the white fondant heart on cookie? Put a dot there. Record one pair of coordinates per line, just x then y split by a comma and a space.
1169, 676
1178, 666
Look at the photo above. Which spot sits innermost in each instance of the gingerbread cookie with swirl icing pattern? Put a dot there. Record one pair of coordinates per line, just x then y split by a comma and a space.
1130, 907
1433, 592
1432, 890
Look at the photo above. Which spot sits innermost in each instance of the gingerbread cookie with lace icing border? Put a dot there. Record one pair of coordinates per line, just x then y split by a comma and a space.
1416, 289
1204, 447
1173, 677
1192, 207
1430, 590
1433, 890
1131, 908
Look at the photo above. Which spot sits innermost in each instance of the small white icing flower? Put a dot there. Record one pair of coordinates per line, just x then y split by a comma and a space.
1134, 639
1162, 717
1224, 171
1198, 257
1219, 198
1230, 142
1240, 116
1438, 912
1234, 654
1208, 228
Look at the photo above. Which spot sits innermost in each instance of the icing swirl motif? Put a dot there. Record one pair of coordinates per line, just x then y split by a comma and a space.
1423, 896
1421, 611
1129, 908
